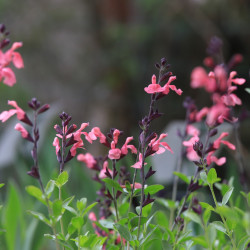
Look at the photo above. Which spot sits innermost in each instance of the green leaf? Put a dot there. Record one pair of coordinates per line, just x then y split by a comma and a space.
227, 196
203, 176
57, 208
219, 226
89, 208
13, 218
145, 239
193, 216
243, 242
77, 222
123, 208
1, 185
67, 201
206, 205
50, 188
107, 224
167, 203
206, 215
62, 179
81, 204
40, 217
182, 177
123, 231
152, 189
113, 184
37, 193
212, 176
134, 221
200, 240
247, 90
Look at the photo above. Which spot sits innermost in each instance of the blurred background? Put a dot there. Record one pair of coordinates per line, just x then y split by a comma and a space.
93, 59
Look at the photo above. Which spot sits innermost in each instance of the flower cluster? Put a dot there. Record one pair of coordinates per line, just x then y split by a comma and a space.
6, 73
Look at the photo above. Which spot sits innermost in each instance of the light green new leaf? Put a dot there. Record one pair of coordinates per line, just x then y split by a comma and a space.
62, 179
152, 189
227, 196
77, 222
50, 188
81, 204
57, 208
36, 192
248, 90
40, 217
182, 176
219, 226
212, 176
193, 216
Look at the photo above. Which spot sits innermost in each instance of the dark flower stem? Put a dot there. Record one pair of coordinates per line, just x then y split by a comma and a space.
113, 191
35, 159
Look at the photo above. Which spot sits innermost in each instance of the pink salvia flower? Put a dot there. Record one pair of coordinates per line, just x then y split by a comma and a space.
155, 145
116, 134
219, 141
191, 154
238, 81
105, 168
96, 133
168, 86
114, 153
5, 59
56, 144
21, 115
124, 149
75, 146
138, 164
153, 88
211, 158
24, 133
88, 159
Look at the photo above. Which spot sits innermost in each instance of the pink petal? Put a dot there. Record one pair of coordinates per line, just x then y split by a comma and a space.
9, 76
17, 60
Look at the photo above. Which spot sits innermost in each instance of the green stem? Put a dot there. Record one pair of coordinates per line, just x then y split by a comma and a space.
61, 221
222, 217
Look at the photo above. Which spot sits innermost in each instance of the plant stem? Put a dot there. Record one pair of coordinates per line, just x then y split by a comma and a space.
35, 158
143, 183
222, 217
113, 191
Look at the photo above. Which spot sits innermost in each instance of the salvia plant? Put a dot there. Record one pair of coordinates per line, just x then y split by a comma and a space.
127, 213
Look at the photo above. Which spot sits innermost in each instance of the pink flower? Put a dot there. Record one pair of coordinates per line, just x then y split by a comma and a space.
219, 141
24, 133
124, 149
138, 164
94, 134
211, 158
155, 145
168, 86
105, 168
153, 88
215, 113
191, 154
238, 81
5, 59
88, 159
56, 144
114, 153
21, 115
136, 185
199, 79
